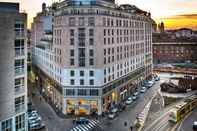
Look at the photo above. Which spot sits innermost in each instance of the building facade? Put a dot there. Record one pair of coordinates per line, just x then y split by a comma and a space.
174, 52
13, 74
99, 55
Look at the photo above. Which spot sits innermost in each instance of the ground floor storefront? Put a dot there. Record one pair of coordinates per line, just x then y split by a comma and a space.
82, 105
104, 98
121, 93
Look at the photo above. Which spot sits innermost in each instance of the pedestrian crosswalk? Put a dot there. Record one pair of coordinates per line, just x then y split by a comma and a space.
86, 127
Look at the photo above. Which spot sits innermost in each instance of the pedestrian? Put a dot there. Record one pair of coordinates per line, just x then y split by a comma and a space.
125, 123
131, 128
40, 98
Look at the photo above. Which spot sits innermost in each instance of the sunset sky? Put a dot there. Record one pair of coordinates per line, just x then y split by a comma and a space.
174, 13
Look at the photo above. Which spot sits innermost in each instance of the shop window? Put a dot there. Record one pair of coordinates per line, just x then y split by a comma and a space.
82, 92
94, 92
70, 92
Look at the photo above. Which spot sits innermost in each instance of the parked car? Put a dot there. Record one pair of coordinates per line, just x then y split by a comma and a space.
149, 84
143, 90
37, 126
129, 101
81, 120
157, 78
114, 110
136, 94
112, 115
194, 126
134, 97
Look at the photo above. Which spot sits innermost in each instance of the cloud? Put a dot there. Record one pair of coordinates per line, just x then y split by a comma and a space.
180, 21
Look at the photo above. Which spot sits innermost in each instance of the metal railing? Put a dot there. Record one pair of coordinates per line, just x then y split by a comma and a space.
19, 71
19, 52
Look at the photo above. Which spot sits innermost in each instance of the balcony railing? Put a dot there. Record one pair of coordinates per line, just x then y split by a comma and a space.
19, 89
20, 33
19, 108
19, 71
19, 52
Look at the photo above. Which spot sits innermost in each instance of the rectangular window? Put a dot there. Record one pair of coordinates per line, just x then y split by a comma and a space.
72, 41
72, 82
91, 21
81, 21
91, 32
20, 122
6, 125
81, 62
94, 92
72, 62
72, 21
81, 52
82, 92
72, 53
19, 47
104, 32
19, 84
70, 92
72, 73
81, 41
91, 61
72, 32
81, 33
91, 52
91, 41
19, 66
19, 28
91, 73
19, 103
81, 73
91, 82
81, 81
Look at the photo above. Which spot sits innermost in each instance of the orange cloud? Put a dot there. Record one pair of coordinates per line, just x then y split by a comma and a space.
180, 21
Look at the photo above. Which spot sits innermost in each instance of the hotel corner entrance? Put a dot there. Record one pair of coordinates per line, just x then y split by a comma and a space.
81, 106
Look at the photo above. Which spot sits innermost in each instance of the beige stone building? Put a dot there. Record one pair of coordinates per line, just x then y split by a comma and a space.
101, 52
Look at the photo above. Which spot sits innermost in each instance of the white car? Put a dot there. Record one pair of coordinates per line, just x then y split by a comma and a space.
114, 110
111, 115
143, 90
134, 98
129, 101
136, 93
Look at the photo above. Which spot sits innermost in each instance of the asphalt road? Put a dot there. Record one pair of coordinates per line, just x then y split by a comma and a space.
131, 112
49, 117
187, 123
55, 123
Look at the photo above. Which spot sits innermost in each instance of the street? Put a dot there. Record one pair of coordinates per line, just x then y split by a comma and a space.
55, 123
186, 124
131, 112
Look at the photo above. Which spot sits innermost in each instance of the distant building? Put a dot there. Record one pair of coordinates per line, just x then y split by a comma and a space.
174, 52
96, 55
184, 32
161, 27
13, 68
